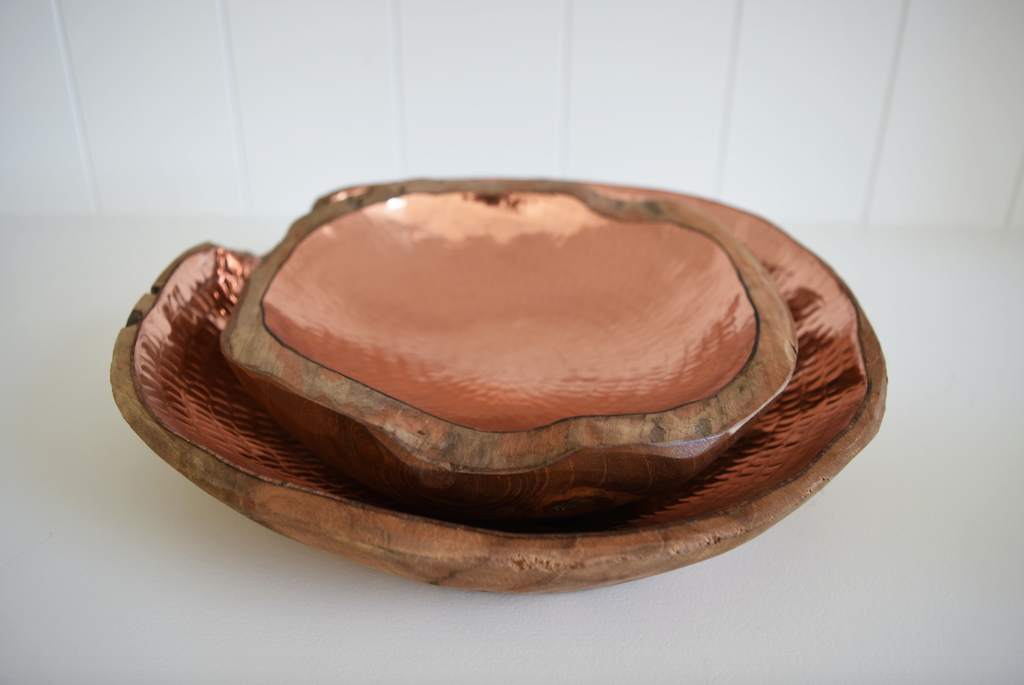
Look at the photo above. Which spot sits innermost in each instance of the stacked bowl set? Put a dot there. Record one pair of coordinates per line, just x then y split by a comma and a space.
512, 386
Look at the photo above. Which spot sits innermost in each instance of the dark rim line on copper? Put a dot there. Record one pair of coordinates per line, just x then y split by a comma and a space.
746, 291
475, 526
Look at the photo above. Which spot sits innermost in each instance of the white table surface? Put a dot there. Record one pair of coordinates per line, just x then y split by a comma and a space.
908, 567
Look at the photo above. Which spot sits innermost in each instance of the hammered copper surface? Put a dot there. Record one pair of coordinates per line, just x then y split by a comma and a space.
183, 380
511, 312
828, 385
186, 384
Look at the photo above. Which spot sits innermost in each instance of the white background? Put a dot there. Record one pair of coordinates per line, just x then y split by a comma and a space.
888, 136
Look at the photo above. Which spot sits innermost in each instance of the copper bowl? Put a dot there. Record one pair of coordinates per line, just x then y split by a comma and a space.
176, 391
511, 349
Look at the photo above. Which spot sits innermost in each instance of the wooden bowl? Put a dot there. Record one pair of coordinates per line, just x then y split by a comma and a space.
511, 349
176, 391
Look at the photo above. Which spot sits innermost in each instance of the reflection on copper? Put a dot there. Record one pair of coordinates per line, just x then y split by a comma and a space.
511, 312
185, 383
828, 384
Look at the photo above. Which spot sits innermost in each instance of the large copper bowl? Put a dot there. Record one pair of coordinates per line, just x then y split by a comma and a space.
176, 391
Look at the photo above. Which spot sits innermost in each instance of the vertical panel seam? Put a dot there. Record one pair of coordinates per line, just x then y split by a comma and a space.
234, 108
727, 104
883, 124
398, 143
1015, 193
564, 67
84, 156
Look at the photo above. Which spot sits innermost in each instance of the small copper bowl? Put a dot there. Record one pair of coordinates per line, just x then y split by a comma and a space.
511, 349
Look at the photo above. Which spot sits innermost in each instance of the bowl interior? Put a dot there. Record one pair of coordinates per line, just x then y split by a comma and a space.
510, 312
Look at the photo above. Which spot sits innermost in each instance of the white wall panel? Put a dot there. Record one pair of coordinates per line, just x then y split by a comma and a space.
151, 84
956, 129
647, 82
480, 87
41, 169
314, 95
809, 98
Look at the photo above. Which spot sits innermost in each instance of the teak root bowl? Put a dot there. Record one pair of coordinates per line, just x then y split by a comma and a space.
511, 349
